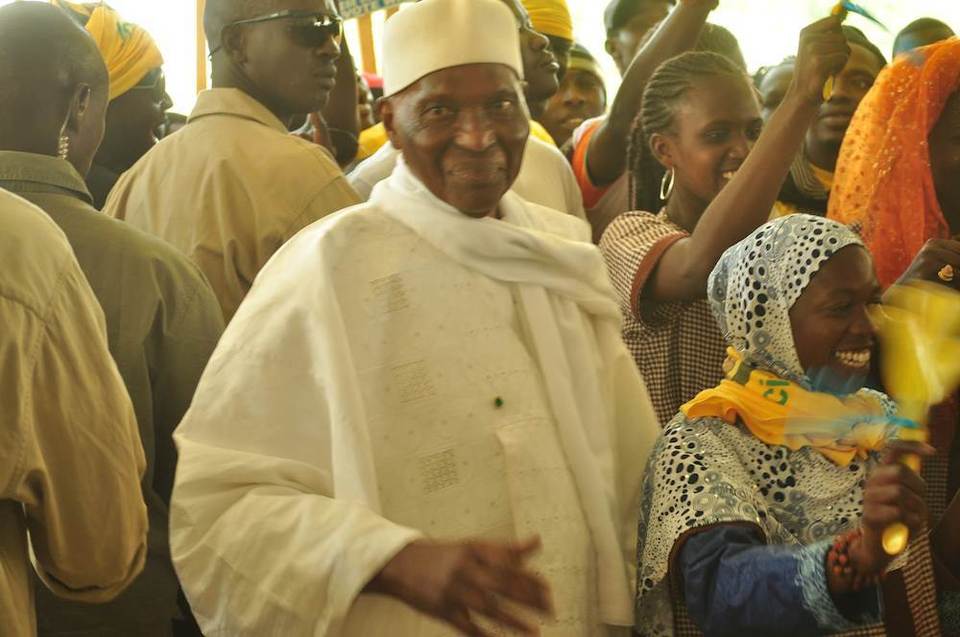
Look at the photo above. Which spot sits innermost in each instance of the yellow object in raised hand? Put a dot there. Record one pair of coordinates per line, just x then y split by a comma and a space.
840, 10
919, 328
843, 9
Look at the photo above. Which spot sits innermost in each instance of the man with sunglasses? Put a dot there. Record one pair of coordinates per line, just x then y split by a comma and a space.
423, 418
232, 186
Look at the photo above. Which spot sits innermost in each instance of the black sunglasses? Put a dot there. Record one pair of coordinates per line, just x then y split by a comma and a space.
311, 35
156, 83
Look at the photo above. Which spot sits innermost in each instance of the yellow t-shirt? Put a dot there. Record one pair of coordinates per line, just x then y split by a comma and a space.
376, 136
782, 209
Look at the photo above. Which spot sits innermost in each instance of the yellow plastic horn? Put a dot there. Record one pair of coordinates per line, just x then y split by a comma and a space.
919, 328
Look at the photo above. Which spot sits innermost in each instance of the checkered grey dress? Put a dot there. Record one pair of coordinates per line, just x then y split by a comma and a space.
677, 345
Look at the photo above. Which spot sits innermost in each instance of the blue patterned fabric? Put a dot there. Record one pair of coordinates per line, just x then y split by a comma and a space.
734, 584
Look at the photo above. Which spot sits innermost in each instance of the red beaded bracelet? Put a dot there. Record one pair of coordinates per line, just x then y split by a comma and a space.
840, 564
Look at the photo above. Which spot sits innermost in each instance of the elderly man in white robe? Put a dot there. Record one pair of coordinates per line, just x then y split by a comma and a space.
422, 420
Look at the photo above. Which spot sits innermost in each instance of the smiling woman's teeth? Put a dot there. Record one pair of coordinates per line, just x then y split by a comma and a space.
857, 359
729, 174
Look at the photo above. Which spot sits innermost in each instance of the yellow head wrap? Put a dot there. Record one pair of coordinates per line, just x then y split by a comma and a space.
550, 17
582, 60
128, 51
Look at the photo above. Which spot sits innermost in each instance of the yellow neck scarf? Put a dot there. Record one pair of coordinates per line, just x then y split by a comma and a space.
781, 412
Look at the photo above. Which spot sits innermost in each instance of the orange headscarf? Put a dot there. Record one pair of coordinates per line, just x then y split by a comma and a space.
883, 181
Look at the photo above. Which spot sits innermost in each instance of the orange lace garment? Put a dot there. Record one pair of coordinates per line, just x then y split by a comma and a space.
883, 182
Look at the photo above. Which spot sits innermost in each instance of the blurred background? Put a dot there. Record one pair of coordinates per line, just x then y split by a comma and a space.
767, 30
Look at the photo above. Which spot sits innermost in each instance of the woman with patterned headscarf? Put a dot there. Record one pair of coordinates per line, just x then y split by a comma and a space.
138, 97
767, 496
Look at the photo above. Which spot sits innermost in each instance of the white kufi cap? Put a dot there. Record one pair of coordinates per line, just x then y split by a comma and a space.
433, 35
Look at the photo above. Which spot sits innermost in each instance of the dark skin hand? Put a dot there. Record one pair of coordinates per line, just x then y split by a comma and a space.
457, 581
607, 153
718, 219
934, 255
893, 493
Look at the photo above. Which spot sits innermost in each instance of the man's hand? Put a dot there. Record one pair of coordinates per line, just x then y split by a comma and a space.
456, 581
822, 54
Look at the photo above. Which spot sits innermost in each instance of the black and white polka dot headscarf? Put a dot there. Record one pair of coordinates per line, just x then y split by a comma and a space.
758, 280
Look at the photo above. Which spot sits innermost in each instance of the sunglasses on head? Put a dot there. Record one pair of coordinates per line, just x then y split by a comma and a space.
312, 31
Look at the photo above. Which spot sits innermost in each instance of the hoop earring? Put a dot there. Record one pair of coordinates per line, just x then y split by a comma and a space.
63, 147
666, 184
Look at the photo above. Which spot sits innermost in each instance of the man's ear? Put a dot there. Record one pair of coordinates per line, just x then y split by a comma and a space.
611, 48
234, 43
79, 108
663, 149
386, 110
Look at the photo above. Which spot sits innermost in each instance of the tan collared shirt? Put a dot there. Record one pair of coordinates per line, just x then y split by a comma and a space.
70, 456
229, 189
163, 322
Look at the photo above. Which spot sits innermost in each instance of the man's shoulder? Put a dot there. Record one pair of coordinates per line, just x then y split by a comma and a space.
373, 169
132, 254
34, 254
344, 232
559, 223
340, 243
261, 170
545, 151
239, 146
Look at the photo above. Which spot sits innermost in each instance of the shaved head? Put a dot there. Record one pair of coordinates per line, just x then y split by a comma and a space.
219, 13
50, 69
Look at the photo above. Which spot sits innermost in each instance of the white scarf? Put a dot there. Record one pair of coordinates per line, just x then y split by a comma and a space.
567, 306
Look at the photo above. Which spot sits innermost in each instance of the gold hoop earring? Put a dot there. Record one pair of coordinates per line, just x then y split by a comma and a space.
63, 147
666, 184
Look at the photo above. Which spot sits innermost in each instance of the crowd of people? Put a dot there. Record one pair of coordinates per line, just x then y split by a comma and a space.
473, 346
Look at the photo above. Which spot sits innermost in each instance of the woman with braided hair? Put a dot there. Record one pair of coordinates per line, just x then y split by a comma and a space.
700, 121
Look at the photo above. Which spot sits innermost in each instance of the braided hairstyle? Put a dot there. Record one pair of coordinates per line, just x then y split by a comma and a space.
666, 89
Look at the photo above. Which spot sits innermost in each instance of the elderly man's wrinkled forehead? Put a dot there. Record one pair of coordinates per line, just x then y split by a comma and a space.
450, 85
